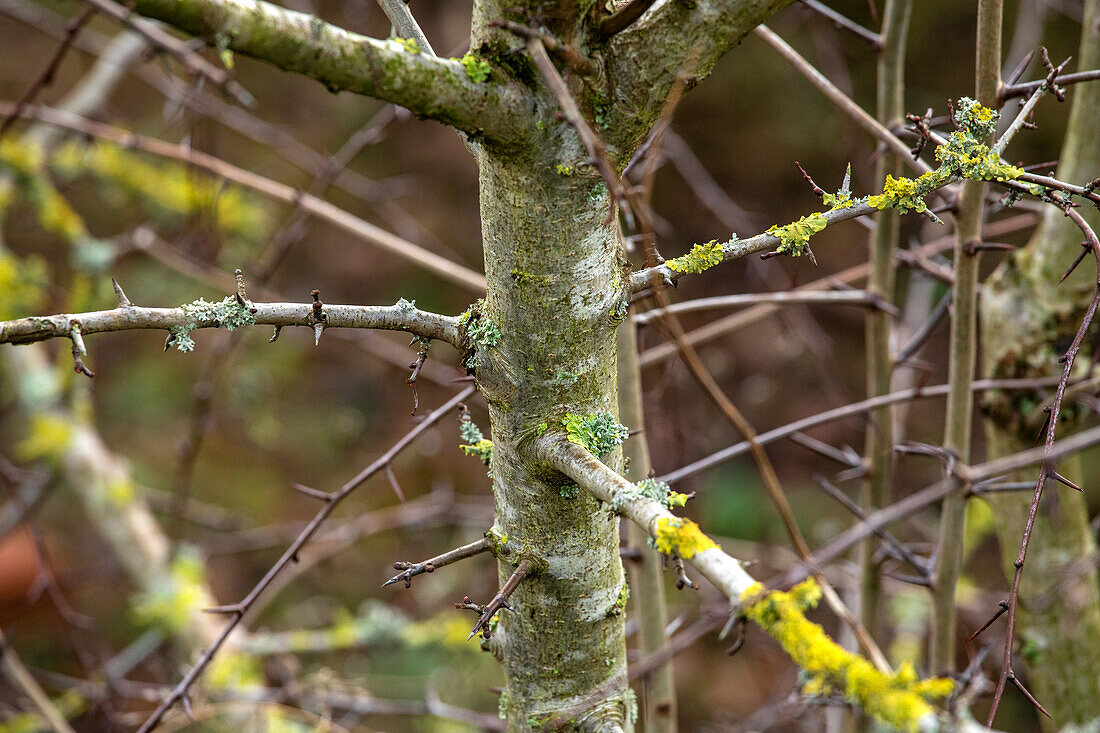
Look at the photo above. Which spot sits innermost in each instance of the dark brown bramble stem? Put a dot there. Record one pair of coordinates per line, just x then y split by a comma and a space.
500, 600
411, 570
1046, 470
236, 611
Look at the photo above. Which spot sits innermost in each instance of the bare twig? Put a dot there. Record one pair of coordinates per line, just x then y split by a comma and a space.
46, 78
166, 42
500, 600
411, 570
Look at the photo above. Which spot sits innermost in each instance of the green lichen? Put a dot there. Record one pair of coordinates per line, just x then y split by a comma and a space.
173, 602
794, 238
900, 700
502, 705
405, 305
473, 442
227, 313
965, 157
620, 603
600, 433
569, 491
23, 283
408, 44
48, 438
567, 377
843, 198
168, 191
700, 258
476, 68
678, 536
478, 331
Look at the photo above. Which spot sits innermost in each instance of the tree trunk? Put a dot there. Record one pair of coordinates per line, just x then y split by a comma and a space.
1024, 313
555, 277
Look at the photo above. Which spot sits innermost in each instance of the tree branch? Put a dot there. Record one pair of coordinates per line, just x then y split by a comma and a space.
435, 88
646, 58
392, 318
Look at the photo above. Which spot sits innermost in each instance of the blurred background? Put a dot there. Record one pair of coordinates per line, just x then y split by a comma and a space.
234, 427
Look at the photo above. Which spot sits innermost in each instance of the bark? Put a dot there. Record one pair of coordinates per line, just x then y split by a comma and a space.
1024, 313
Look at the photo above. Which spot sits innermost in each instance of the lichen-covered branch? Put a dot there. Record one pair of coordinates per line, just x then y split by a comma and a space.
228, 314
672, 38
435, 88
902, 700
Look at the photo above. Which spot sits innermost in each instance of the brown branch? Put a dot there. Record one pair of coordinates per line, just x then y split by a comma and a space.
411, 570
1046, 470
441, 266
46, 78
500, 600
182, 51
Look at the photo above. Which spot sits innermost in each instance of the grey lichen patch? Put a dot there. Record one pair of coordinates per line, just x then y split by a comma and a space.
228, 314
651, 489
405, 305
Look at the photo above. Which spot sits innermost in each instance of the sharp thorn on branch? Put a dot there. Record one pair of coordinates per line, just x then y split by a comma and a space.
120, 295
1003, 608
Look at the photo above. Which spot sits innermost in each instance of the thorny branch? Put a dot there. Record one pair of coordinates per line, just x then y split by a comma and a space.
411, 570
393, 318
1047, 466
237, 611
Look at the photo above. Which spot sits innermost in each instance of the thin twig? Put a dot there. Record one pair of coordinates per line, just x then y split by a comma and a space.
411, 570
46, 78
500, 600
182, 51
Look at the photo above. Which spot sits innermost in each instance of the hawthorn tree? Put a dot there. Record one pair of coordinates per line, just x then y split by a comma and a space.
554, 101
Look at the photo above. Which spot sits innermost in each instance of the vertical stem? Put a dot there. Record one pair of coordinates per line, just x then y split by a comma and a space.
658, 713
968, 232
879, 445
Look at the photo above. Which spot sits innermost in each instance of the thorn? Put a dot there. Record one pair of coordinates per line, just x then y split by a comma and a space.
241, 295
233, 609
168, 341
318, 329
1003, 608
315, 493
185, 701
1020, 686
123, 301
275, 336
847, 184
1062, 479
1085, 249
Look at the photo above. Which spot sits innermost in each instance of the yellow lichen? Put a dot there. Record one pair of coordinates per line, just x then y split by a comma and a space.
676, 536
234, 670
173, 603
49, 437
899, 700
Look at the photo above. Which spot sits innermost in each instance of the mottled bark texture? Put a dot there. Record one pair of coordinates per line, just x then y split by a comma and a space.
1026, 319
